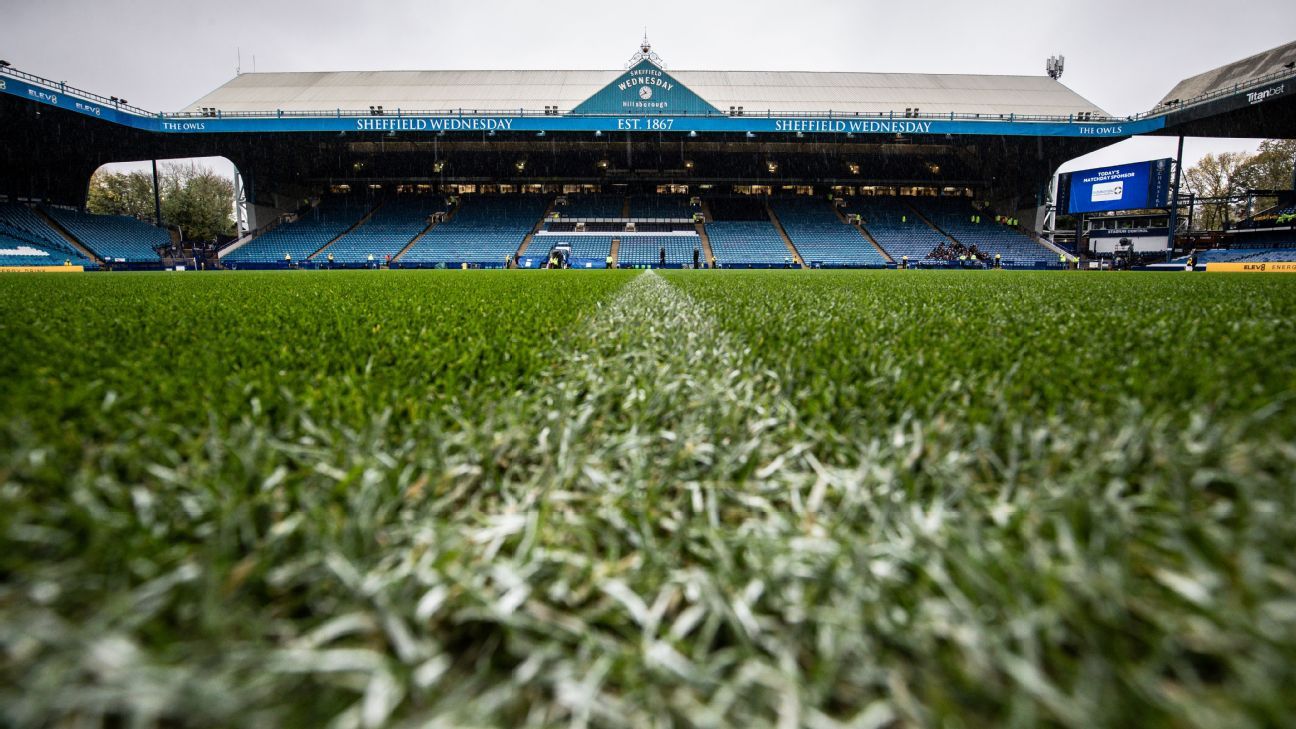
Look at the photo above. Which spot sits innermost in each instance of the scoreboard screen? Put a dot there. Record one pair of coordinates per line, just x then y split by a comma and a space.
1134, 186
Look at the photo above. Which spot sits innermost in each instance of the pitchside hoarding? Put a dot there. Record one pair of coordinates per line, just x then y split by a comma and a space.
1134, 186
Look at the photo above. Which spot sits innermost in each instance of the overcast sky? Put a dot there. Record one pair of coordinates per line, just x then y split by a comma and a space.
1123, 56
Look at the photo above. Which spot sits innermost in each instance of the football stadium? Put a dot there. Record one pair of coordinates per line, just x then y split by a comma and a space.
648, 397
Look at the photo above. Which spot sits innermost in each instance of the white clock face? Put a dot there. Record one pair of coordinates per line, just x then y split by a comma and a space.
645, 92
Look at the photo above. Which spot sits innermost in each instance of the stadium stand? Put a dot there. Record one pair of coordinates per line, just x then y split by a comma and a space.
299, 239
747, 244
896, 227
117, 238
1240, 255
21, 222
20, 252
822, 238
983, 237
743, 236
386, 232
645, 250
587, 251
483, 231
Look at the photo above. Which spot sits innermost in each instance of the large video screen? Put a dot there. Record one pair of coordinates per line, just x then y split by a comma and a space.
1134, 186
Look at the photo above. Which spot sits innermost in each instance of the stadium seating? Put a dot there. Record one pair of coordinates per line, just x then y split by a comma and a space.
1240, 255
896, 227
22, 223
955, 217
24, 252
645, 250
116, 238
386, 232
747, 244
484, 231
822, 238
587, 251
300, 239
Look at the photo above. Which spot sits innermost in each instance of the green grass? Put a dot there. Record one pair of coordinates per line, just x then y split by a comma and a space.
683, 499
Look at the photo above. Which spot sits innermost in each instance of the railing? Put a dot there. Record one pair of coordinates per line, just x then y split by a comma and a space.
63, 88
523, 112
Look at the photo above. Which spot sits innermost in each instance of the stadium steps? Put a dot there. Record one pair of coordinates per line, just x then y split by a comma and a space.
796, 255
707, 217
364, 219
1051, 247
63, 233
412, 241
615, 251
864, 232
706, 245
539, 225
625, 208
252, 235
928, 221
869, 236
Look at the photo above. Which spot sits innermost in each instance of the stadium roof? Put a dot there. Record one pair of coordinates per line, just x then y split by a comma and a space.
756, 91
1272, 61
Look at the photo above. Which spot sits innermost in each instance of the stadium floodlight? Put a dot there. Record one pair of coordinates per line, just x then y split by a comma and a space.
1054, 66
598, 132
4, 64
692, 132
751, 135
540, 133
124, 101
113, 99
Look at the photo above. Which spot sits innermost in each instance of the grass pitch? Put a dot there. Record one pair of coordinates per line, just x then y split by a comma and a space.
662, 499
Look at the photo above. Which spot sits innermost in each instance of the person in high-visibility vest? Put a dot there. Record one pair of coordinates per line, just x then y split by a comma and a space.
609, 260
998, 261
963, 261
904, 261
369, 261
1062, 261
330, 259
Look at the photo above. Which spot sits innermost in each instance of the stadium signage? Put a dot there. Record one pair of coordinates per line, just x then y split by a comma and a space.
1134, 186
43, 96
1107, 131
436, 124
1255, 97
645, 88
855, 127
1253, 267
184, 126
